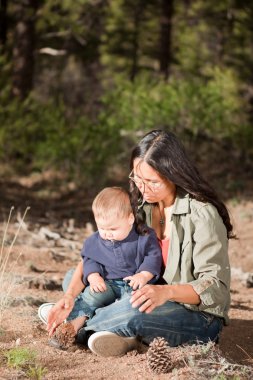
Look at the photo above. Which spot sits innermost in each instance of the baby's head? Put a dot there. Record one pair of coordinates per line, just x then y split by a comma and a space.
113, 213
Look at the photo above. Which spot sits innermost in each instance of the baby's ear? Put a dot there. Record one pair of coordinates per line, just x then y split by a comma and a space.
131, 218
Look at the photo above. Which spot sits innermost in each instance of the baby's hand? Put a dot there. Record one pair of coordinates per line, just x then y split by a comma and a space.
138, 280
96, 282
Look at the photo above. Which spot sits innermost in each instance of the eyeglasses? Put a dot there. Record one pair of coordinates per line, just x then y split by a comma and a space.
152, 185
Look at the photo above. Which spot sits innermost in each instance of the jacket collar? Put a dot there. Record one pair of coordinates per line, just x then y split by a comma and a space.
182, 203
181, 206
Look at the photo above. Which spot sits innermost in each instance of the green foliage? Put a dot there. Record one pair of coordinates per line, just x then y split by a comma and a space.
19, 357
36, 372
36, 136
131, 36
25, 126
212, 106
94, 113
26, 360
60, 22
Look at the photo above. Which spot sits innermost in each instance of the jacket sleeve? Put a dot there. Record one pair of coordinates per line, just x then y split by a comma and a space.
152, 260
210, 259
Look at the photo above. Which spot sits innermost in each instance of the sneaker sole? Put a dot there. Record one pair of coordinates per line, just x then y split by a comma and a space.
44, 310
105, 343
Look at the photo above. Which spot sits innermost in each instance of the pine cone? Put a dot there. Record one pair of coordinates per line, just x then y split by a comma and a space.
158, 356
65, 335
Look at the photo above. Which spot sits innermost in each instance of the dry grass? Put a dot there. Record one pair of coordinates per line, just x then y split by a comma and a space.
7, 279
207, 362
203, 361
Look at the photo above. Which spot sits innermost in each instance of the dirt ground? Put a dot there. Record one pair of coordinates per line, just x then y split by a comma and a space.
50, 244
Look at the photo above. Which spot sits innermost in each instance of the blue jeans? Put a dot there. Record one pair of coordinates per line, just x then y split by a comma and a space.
172, 321
87, 302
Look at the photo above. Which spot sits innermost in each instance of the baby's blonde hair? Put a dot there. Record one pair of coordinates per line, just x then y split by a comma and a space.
112, 202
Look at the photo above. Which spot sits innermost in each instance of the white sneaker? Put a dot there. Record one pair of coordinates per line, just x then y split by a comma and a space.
105, 343
44, 310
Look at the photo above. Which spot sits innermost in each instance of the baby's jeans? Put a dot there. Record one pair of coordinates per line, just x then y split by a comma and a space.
87, 302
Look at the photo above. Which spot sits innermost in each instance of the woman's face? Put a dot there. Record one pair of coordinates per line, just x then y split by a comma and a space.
153, 187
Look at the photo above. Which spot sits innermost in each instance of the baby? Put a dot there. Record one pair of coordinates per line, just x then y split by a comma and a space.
117, 259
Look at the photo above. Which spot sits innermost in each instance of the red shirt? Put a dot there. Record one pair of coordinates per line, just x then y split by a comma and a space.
164, 244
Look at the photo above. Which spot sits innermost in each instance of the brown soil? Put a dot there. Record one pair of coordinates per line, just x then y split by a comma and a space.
46, 258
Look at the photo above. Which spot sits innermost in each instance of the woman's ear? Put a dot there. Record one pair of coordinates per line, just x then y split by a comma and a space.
131, 219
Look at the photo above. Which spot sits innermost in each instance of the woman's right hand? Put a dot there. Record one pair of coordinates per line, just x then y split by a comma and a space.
59, 312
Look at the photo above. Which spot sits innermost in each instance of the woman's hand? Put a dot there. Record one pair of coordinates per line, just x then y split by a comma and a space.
149, 297
59, 312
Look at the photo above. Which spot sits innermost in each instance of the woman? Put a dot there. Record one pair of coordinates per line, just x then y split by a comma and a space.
193, 226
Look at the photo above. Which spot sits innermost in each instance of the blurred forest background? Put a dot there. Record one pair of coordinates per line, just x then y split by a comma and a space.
81, 82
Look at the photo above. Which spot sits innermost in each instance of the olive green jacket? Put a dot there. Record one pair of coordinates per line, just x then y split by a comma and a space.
198, 253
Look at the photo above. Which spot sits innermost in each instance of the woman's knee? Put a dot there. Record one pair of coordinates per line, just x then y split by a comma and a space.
67, 279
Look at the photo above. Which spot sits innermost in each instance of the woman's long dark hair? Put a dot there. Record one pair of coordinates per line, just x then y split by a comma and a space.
165, 153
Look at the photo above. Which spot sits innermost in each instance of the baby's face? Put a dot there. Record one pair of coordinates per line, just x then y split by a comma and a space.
114, 229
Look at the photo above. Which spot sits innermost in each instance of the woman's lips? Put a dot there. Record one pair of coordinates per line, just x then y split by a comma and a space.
148, 197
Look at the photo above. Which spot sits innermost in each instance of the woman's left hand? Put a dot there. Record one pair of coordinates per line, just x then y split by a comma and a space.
150, 297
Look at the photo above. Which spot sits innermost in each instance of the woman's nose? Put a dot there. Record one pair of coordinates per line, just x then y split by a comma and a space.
142, 187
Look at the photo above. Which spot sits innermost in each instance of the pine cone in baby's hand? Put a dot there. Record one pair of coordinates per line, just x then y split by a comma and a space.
65, 335
158, 356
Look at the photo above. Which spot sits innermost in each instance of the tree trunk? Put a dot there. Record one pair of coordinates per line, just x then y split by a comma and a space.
167, 8
3, 22
23, 49
137, 19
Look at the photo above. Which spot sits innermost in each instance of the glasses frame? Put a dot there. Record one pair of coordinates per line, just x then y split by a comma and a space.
145, 183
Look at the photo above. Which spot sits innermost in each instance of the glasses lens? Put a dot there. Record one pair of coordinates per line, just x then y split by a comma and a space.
138, 182
153, 186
